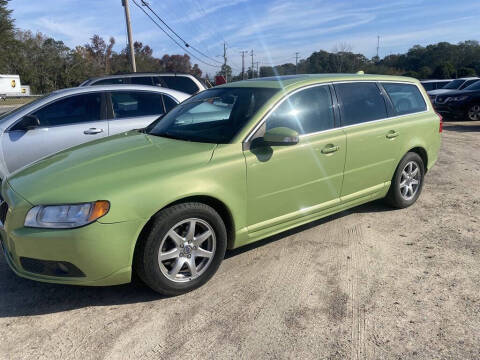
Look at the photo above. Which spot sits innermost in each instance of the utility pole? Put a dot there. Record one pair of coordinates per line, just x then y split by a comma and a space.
296, 62
225, 60
378, 45
129, 32
251, 53
243, 64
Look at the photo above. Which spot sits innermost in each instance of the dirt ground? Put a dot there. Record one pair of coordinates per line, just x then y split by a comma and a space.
368, 283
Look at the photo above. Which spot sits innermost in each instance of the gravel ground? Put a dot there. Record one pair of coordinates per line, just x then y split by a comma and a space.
370, 283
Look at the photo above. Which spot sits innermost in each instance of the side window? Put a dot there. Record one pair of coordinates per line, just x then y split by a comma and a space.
181, 83
429, 86
406, 98
361, 102
71, 110
143, 80
158, 81
467, 83
136, 103
112, 81
306, 112
169, 103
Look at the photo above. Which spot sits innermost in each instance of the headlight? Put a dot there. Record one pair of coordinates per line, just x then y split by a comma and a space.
66, 216
457, 98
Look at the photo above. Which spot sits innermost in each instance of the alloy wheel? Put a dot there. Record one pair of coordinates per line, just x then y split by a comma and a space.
410, 180
474, 113
187, 250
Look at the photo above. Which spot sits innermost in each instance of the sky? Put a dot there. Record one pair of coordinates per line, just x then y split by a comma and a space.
274, 29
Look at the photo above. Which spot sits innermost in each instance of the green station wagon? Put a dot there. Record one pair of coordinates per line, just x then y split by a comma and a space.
227, 167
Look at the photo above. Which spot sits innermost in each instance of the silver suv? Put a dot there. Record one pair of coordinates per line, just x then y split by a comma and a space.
181, 82
69, 117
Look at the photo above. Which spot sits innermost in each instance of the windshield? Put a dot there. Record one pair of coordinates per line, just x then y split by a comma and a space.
454, 84
474, 86
213, 116
31, 103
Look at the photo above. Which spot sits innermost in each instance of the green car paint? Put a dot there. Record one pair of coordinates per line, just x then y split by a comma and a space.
262, 191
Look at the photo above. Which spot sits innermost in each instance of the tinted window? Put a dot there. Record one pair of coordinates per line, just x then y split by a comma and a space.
406, 98
474, 86
361, 102
136, 103
467, 83
169, 103
306, 112
454, 84
71, 110
144, 80
429, 86
158, 81
213, 116
181, 83
112, 81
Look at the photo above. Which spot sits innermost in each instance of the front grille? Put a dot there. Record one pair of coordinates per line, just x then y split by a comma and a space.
51, 268
3, 210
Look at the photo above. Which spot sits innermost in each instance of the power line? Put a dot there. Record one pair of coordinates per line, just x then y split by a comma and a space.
175, 41
185, 43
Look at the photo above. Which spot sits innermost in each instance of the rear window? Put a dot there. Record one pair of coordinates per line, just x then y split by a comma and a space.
360, 102
406, 98
180, 83
112, 81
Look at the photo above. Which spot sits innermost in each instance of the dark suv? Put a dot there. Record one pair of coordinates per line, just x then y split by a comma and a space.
460, 104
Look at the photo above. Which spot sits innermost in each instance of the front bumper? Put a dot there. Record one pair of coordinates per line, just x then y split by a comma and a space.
456, 111
102, 252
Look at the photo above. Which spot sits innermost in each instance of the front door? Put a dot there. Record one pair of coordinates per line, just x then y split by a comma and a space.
64, 123
286, 183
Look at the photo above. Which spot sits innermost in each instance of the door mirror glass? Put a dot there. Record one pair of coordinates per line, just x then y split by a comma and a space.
28, 122
280, 136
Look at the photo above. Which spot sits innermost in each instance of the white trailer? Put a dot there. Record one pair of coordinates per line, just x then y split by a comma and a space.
10, 85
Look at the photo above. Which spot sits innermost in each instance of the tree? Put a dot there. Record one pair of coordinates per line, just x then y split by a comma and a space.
225, 70
195, 71
444, 71
466, 72
7, 39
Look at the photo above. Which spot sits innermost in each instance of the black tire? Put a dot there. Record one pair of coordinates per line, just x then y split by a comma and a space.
473, 112
394, 196
146, 263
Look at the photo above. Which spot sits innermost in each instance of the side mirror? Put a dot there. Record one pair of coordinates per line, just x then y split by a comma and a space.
28, 122
280, 136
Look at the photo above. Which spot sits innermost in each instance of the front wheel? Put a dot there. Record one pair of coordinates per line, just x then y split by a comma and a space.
473, 112
407, 182
183, 248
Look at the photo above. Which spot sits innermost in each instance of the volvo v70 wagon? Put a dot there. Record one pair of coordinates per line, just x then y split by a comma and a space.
227, 167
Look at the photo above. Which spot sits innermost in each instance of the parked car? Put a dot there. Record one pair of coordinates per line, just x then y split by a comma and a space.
70, 117
460, 104
457, 84
430, 85
168, 200
181, 82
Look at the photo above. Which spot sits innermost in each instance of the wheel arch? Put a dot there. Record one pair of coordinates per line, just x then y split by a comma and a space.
219, 206
422, 153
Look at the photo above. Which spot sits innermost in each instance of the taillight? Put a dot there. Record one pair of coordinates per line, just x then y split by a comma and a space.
440, 126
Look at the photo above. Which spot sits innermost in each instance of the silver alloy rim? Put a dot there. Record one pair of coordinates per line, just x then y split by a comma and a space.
410, 180
474, 113
187, 250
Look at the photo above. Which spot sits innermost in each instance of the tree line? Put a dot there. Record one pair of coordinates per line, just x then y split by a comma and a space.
47, 64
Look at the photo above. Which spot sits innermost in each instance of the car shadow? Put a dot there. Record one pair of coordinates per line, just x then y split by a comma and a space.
464, 127
22, 297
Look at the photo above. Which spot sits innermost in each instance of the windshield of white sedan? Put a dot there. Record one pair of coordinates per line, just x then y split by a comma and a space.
212, 116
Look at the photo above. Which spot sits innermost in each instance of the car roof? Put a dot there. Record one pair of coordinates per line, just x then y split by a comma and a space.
439, 80
139, 74
284, 81
96, 88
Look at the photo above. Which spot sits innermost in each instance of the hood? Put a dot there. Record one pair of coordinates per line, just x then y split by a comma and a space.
94, 171
439, 91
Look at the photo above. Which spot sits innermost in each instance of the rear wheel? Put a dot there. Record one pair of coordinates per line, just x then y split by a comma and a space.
407, 182
182, 250
473, 112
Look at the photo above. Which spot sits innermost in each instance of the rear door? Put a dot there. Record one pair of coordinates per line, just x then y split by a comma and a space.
64, 123
371, 138
134, 109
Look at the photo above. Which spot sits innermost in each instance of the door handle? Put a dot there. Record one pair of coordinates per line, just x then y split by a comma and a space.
330, 149
93, 131
392, 134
